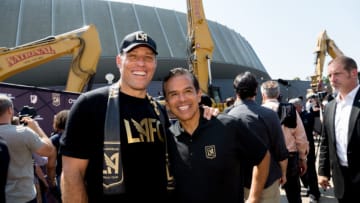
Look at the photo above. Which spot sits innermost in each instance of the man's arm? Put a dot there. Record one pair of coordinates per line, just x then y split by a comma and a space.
51, 169
324, 160
72, 180
47, 149
259, 177
283, 165
302, 144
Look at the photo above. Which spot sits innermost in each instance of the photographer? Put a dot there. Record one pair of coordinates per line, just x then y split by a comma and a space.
22, 142
44, 170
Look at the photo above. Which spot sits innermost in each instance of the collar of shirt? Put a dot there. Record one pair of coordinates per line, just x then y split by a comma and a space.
349, 97
271, 104
245, 101
177, 128
272, 100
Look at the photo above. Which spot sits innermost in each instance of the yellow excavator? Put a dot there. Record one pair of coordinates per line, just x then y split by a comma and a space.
324, 46
83, 44
200, 49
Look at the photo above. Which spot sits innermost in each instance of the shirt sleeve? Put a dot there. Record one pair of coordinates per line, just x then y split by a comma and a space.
30, 138
78, 136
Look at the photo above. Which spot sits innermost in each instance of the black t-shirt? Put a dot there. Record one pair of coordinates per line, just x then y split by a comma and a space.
142, 145
4, 167
207, 164
265, 124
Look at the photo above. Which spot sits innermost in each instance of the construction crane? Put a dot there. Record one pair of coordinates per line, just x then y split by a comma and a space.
324, 46
200, 50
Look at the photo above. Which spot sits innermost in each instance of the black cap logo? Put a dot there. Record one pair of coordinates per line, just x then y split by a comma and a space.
135, 39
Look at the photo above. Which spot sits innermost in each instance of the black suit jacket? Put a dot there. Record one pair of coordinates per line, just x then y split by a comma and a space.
328, 160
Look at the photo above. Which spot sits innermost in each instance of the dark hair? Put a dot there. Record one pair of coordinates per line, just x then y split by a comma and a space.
245, 85
60, 119
348, 62
180, 71
205, 100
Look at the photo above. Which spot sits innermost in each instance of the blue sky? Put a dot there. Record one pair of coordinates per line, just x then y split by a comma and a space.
283, 33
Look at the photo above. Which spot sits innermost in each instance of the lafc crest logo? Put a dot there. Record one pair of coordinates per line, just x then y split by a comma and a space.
112, 168
210, 152
141, 37
112, 164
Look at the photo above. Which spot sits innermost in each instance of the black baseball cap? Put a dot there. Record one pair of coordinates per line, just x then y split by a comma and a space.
135, 39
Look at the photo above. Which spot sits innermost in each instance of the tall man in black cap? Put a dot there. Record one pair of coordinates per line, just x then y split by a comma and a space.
114, 144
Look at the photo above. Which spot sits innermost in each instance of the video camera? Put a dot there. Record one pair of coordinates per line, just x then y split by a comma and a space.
319, 95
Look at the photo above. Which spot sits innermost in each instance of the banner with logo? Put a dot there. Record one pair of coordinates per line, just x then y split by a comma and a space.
45, 101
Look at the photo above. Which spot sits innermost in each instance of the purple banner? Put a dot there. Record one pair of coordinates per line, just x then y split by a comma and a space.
45, 101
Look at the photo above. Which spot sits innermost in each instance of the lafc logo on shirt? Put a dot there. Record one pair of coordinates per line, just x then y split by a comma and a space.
210, 152
147, 130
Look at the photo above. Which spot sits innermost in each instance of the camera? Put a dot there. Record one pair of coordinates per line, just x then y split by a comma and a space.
319, 95
27, 111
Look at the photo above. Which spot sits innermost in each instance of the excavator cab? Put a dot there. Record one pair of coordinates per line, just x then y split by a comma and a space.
214, 92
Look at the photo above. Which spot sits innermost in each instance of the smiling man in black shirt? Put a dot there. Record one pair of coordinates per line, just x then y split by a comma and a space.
206, 155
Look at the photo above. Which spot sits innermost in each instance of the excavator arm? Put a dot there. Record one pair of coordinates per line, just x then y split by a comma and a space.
83, 44
200, 45
200, 49
324, 46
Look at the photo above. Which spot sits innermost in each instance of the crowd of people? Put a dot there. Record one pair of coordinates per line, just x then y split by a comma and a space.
117, 143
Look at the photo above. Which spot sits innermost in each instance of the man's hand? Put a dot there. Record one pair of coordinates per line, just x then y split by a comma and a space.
51, 182
302, 166
28, 121
324, 182
283, 180
210, 111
